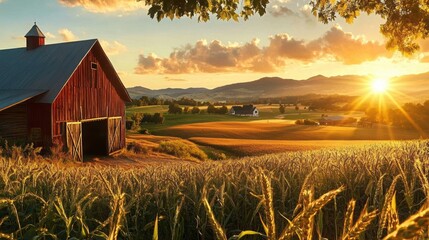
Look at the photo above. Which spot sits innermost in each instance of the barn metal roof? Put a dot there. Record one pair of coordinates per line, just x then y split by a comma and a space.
9, 98
34, 32
48, 68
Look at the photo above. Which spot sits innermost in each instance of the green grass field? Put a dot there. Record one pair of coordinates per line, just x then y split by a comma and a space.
267, 112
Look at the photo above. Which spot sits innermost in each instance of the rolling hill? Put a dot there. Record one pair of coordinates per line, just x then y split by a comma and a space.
412, 88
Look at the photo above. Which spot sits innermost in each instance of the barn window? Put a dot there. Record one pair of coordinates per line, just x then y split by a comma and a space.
94, 75
94, 66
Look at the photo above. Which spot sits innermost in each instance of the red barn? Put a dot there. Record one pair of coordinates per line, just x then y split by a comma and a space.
66, 92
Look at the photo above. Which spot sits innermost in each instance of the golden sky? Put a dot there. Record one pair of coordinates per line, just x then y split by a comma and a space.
287, 42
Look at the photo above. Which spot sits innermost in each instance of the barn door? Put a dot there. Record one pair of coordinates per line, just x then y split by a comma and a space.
74, 140
114, 133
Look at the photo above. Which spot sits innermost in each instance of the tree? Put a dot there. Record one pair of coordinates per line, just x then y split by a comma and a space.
282, 108
222, 110
406, 21
186, 110
211, 109
195, 110
137, 118
372, 113
174, 108
158, 118
147, 118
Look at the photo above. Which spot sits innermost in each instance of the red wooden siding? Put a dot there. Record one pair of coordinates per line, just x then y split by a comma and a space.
88, 94
13, 122
39, 116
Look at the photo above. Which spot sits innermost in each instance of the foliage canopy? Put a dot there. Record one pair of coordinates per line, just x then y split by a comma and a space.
406, 21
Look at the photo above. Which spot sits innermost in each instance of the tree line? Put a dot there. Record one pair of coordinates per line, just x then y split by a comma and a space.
148, 101
175, 108
409, 115
136, 120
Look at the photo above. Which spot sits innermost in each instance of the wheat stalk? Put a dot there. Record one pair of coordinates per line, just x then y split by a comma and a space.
176, 218
303, 218
348, 218
387, 207
304, 187
217, 229
412, 228
308, 197
267, 202
393, 216
423, 179
118, 212
361, 224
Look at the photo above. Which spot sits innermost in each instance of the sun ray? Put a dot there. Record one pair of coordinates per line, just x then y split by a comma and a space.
407, 116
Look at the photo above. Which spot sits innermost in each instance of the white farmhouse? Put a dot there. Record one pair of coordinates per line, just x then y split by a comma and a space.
245, 110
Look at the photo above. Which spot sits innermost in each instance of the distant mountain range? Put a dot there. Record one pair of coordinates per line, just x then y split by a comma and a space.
411, 88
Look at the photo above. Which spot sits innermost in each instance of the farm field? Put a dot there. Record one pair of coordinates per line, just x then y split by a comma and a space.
267, 112
255, 147
287, 131
272, 132
318, 191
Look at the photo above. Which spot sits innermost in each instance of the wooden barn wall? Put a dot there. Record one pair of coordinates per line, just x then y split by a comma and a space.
13, 122
39, 117
88, 94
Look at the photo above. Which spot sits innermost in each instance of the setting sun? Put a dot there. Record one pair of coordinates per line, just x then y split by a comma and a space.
380, 85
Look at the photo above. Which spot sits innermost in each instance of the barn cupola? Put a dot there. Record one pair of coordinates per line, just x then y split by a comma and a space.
35, 38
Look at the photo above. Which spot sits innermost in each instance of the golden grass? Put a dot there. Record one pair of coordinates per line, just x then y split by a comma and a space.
42, 200
285, 131
255, 147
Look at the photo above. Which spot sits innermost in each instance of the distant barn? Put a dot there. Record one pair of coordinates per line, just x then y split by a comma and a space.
62, 93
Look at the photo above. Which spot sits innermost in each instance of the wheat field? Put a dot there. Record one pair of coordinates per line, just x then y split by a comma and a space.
376, 191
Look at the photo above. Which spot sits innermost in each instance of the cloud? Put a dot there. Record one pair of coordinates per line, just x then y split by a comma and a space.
105, 6
50, 35
20, 38
175, 79
279, 11
306, 13
67, 35
349, 49
334, 45
302, 13
123, 74
113, 48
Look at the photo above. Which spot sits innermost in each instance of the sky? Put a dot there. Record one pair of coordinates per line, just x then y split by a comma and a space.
286, 42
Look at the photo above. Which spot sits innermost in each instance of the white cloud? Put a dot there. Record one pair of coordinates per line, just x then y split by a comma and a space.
113, 48
50, 35
67, 35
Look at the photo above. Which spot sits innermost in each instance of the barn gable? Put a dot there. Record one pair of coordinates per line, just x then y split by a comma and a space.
47, 68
